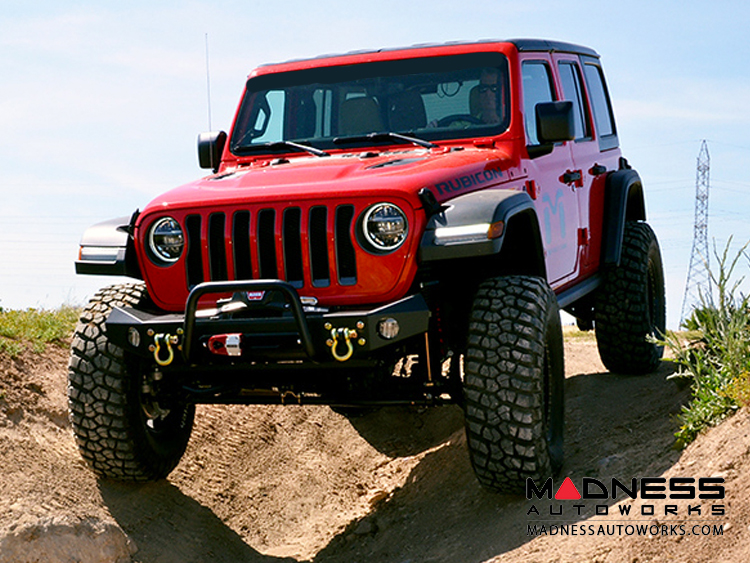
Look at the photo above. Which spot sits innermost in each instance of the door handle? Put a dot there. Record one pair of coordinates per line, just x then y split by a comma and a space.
574, 177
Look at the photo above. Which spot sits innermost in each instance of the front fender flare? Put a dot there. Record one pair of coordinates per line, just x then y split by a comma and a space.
458, 230
108, 249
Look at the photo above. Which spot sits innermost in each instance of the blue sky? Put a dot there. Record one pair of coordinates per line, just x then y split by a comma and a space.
101, 104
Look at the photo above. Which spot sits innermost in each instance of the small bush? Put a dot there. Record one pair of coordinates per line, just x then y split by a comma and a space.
739, 390
716, 359
35, 328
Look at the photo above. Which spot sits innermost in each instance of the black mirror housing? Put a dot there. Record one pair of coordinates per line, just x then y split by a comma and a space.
210, 147
554, 122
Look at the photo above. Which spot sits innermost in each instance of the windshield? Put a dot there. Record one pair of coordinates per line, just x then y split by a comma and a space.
427, 98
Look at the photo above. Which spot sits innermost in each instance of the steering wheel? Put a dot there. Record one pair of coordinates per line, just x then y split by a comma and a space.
459, 120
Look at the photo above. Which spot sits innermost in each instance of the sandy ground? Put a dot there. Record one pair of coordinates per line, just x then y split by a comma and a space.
262, 484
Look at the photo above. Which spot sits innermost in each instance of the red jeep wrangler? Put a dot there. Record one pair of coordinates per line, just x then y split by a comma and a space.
398, 226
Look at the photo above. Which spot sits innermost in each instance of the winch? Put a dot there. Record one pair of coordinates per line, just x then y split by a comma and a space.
226, 344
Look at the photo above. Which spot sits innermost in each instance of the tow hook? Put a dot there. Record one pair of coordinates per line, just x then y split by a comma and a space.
344, 335
164, 340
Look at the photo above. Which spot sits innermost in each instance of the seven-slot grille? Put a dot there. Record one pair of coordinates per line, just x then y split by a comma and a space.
302, 245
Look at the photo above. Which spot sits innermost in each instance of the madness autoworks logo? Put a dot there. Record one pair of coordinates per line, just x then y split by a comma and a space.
686, 503
650, 488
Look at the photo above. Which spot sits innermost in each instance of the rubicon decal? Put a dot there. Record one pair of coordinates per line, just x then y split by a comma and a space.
469, 180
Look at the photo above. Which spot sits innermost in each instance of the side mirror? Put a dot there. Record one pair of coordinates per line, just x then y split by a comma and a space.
210, 147
554, 122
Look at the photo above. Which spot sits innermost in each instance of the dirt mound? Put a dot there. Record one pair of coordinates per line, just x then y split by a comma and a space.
63, 540
304, 483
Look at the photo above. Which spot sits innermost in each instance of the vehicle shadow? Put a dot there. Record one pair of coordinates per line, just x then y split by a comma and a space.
406, 431
616, 426
169, 527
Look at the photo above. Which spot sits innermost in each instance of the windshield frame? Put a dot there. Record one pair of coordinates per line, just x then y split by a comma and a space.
388, 75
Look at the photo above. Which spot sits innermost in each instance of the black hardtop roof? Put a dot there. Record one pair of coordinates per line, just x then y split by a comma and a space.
552, 47
523, 45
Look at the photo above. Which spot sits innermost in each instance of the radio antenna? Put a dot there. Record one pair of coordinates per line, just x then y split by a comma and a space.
208, 86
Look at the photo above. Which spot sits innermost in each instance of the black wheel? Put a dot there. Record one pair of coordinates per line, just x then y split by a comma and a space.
124, 429
513, 383
630, 305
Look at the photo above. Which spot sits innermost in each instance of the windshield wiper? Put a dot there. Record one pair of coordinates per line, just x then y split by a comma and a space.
384, 136
283, 145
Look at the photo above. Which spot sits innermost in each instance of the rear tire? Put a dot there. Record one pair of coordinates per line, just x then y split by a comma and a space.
122, 432
630, 305
513, 383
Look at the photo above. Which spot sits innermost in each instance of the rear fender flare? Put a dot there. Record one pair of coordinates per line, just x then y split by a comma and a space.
623, 202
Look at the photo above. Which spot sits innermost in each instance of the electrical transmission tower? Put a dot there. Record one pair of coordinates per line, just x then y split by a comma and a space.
698, 279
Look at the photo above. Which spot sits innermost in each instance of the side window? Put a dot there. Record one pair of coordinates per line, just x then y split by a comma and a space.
537, 88
600, 104
572, 85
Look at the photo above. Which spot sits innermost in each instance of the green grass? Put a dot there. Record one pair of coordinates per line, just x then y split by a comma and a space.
571, 332
714, 356
34, 329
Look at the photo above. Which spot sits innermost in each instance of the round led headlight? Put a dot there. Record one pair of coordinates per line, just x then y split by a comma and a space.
166, 240
385, 226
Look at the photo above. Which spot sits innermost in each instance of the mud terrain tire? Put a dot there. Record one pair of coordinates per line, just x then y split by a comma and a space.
107, 408
630, 305
513, 383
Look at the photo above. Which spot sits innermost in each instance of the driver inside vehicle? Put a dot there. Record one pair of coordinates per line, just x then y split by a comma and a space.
485, 102
484, 97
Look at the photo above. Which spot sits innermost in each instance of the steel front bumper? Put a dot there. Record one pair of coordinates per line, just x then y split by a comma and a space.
261, 333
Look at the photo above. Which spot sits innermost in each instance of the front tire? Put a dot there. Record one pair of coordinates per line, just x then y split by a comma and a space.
122, 432
513, 383
630, 305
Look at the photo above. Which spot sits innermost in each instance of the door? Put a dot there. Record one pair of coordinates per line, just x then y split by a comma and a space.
556, 202
589, 166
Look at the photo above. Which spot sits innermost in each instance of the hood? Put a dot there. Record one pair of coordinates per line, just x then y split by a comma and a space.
448, 172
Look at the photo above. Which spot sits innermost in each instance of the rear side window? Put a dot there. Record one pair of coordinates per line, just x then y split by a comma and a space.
601, 106
572, 85
537, 88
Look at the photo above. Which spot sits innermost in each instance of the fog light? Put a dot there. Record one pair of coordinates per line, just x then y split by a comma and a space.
388, 328
134, 337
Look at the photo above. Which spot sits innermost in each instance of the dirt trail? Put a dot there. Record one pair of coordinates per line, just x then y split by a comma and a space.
305, 484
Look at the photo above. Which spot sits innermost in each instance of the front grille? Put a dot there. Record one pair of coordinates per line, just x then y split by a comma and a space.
266, 240
345, 257
194, 254
217, 250
293, 246
318, 232
306, 246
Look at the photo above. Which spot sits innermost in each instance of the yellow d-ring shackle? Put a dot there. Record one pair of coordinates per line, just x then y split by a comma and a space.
168, 339
347, 335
